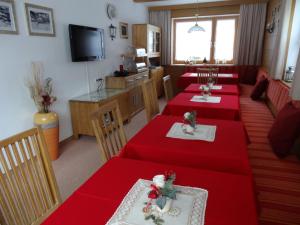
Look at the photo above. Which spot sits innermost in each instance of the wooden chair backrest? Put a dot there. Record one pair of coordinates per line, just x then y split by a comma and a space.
150, 98
206, 74
109, 131
169, 93
28, 188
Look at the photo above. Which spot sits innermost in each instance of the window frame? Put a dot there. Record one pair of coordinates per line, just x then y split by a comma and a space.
213, 35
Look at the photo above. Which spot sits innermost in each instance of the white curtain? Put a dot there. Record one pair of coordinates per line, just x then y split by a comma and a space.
278, 60
250, 36
295, 91
163, 20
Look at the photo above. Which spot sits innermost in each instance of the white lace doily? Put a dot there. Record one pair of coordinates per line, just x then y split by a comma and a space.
189, 206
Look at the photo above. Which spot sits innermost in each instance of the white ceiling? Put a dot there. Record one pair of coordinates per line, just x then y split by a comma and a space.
176, 2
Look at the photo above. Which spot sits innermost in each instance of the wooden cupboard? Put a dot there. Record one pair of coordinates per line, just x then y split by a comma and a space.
132, 83
127, 81
147, 36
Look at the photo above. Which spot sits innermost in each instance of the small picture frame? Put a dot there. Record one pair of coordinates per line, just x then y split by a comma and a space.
8, 22
40, 20
124, 30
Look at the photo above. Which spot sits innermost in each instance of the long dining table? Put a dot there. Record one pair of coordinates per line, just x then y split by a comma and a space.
227, 153
228, 108
218, 89
223, 78
230, 198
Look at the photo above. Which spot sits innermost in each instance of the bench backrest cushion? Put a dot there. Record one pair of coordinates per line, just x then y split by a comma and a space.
259, 88
285, 130
277, 94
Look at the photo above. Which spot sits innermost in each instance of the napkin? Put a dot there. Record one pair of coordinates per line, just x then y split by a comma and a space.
215, 87
202, 132
208, 99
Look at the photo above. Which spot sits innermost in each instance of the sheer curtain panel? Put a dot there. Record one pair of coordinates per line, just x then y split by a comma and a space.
162, 19
250, 37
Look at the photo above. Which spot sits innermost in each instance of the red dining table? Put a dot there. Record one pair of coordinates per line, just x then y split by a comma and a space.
223, 78
226, 89
228, 108
230, 197
228, 152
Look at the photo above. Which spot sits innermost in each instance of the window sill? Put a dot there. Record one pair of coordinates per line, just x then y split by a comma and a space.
178, 64
288, 84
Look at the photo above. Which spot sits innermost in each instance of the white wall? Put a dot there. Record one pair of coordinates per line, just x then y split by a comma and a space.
294, 45
69, 79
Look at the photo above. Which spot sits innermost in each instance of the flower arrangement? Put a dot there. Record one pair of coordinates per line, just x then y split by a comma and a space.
40, 91
190, 118
162, 192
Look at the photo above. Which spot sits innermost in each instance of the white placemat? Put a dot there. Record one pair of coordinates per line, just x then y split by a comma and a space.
215, 87
190, 203
225, 75
208, 99
202, 132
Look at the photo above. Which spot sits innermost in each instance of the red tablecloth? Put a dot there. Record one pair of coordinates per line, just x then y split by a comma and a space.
189, 78
228, 108
227, 89
230, 197
80, 209
227, 153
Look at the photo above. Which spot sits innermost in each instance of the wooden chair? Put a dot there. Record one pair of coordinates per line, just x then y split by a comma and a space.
168, 87
28, 189
206, 74
150, 98
108, 128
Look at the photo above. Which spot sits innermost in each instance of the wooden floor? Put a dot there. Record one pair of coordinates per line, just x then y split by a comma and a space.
277, 181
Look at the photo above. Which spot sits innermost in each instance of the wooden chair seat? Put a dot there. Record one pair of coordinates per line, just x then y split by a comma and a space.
108, 128
205, 75
28, 189
150, 98
169, 93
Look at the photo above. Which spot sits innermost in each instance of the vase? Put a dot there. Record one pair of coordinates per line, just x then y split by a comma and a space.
49, 124
167, 206
188, 129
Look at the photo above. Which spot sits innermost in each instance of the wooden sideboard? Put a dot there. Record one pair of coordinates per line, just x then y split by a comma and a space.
126, 90
83, 106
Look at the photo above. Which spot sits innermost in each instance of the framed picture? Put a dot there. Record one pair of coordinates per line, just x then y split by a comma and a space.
40, 20
124, 30
8, 22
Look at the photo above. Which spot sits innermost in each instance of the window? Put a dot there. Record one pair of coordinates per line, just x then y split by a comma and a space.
216, 44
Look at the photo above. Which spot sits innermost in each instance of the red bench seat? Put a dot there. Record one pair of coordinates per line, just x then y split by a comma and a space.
277, 181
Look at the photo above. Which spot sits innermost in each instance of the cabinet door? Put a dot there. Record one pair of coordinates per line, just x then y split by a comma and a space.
151, 41
123, 101
157, 41
136, 101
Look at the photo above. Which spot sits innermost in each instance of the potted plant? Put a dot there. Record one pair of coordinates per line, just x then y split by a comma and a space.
41, 93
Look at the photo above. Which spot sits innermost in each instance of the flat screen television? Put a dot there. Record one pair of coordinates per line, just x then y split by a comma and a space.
87, 43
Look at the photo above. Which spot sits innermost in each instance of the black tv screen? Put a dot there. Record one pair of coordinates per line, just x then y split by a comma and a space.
87, 43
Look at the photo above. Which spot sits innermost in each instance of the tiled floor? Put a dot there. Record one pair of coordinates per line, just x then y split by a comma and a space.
79, 159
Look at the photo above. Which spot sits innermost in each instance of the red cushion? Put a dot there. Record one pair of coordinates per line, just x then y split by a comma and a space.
285, 130
259, 88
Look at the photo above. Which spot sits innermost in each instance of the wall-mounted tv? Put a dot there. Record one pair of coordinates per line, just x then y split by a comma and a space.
87, 43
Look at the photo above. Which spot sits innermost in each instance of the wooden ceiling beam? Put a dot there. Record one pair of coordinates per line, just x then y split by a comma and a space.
204, 5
